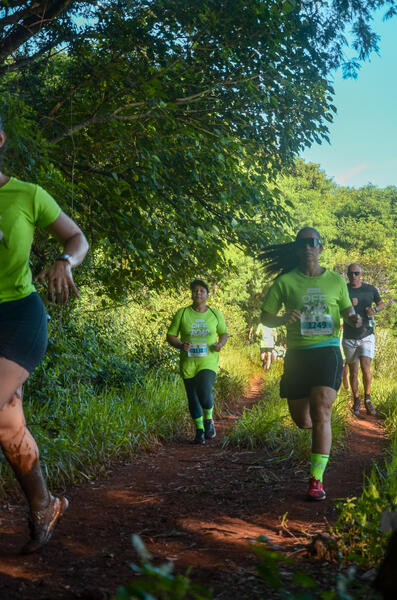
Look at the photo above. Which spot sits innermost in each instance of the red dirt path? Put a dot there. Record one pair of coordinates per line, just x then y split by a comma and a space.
196, 506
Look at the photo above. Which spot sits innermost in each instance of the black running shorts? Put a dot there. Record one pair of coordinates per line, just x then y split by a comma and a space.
304, 369
23, 331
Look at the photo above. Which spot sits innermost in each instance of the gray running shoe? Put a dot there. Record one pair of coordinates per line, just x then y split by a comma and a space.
356, 406
209, 429
199, 439
369, 407
42, 524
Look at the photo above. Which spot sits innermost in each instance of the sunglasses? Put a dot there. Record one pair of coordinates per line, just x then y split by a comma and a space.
356, 273
309, 241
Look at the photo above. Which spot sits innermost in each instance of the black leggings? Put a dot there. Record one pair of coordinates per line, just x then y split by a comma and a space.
199, 392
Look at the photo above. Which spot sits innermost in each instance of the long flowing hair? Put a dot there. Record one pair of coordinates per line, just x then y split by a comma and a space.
281, 258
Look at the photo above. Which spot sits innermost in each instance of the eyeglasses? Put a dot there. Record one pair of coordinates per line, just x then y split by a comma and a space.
356, 273
309, 241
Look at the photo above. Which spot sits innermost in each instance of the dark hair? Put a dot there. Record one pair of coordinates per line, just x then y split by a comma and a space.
282, 258
199, 282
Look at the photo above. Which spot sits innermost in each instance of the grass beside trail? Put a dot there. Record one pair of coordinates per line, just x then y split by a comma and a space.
358, 526
80, 434
268, 424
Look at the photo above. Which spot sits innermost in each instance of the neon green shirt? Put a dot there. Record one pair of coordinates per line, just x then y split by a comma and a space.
23, 207
320, 299
202, 329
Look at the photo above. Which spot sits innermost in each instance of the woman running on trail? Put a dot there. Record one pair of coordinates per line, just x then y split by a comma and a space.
313, 298
23, 331
199, 327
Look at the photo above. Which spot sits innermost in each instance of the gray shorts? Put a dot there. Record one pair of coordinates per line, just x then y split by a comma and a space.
353, 349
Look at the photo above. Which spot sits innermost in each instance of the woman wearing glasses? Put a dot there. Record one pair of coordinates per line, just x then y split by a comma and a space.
314, 299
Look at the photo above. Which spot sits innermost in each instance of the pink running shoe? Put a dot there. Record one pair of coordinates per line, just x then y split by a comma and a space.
316, 490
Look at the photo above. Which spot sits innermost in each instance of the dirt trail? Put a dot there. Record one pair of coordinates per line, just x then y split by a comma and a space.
197, 506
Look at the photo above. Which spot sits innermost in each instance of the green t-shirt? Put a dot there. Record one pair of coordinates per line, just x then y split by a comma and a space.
320, 299
202, 329
23, 206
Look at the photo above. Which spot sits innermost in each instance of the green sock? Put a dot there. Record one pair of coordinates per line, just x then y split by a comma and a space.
208, 413
319, 462
199, 423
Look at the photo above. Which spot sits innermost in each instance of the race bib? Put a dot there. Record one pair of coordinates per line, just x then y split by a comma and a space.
198, 350
320, 324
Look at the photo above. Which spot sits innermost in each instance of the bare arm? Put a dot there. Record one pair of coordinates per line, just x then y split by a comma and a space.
370, 310
222, 341
175, 342
59, 275
273, 321
351, 317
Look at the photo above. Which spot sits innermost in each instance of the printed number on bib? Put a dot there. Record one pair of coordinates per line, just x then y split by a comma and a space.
198, 350
320, 324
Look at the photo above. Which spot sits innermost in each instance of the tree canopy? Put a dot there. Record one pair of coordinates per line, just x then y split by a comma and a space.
160, 124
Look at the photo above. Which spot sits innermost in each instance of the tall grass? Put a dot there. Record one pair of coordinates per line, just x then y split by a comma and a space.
79, 434
268, 424
358, 525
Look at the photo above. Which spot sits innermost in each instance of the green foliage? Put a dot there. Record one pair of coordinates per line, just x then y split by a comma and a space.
356, 226
358, 525
268, 425
160, 125
158, 583
81, 426
272, 568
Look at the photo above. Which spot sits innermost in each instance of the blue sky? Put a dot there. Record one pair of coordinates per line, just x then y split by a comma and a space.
364, 132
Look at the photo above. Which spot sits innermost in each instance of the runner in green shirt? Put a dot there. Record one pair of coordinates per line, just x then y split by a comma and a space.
202, 333
313, 299
23, 331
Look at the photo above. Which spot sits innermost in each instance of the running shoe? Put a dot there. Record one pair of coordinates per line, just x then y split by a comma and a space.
42, 524
209, 429
199, 439
357, 406
316, 490
369, 407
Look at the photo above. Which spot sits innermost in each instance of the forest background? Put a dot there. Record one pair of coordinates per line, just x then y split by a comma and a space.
169, 131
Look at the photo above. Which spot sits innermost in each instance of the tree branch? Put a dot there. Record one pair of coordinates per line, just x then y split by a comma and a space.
31, 25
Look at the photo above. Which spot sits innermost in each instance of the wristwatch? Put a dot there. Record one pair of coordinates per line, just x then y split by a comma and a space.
376, 309
65, 257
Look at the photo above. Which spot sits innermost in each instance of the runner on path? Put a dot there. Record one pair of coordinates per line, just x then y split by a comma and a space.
313, 298
203, 334
267, 339
359, 344
23, 332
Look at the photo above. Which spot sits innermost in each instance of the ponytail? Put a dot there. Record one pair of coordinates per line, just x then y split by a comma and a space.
279, 258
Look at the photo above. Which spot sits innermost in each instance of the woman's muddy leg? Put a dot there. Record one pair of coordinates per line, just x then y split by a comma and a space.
21, 451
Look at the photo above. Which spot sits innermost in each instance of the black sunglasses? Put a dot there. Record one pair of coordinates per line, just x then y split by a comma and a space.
309, 241
350, 273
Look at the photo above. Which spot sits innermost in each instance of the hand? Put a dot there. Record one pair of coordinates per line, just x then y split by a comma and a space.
356, 320
291, 316
60, 281
217, 346
186, 346
370, 311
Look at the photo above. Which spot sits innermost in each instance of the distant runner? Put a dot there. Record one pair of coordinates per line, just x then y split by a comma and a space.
359, 344
267, 339
313, 298
202, 334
